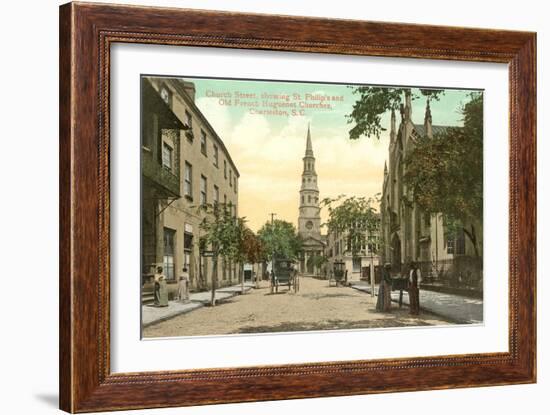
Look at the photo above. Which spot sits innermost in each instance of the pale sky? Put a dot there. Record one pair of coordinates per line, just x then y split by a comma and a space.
268, 149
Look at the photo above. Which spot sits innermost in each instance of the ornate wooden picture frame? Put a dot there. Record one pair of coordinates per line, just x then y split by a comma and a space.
87, 32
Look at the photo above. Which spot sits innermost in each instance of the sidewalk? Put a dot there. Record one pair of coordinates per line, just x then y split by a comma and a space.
462, 310
152, 315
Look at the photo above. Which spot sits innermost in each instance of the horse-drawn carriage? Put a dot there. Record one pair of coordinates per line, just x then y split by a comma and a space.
338, 275
284, 273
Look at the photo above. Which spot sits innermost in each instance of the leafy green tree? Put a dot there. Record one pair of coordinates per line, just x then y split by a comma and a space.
317, 261
445, 173
222, 234
372, 102
250, 248
355, 217
280, 239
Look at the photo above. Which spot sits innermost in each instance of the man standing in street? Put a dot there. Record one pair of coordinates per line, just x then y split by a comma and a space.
414, 291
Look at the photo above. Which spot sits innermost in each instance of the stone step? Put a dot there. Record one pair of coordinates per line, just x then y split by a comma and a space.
147, 298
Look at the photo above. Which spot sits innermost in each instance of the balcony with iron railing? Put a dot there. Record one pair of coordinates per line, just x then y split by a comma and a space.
166, 181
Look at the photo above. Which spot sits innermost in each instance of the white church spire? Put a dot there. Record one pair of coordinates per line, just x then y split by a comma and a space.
309, 147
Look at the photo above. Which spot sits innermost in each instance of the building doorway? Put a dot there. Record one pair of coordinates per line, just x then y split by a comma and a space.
396, 253
309, 264
169, 249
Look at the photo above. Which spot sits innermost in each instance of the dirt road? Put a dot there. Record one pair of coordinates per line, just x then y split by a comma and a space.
315, 307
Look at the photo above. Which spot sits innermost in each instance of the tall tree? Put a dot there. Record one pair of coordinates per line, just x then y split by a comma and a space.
222, 234
251, 249
317, 261
355, 217
445, 172
372, 102
281, 239
251, 246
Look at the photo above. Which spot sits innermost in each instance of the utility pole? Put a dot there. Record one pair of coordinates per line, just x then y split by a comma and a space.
272, 252
241, 264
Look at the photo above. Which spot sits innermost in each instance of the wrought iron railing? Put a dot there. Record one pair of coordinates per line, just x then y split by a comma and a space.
161, 176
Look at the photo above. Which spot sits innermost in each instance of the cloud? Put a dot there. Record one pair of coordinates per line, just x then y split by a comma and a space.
217, 115
268, 153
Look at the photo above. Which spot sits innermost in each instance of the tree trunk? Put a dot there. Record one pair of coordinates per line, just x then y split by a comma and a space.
473, 238
241, 271
214, 278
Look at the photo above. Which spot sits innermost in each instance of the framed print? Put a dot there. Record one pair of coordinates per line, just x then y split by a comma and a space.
253, 208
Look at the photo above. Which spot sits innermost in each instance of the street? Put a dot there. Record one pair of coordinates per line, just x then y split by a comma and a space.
315, 307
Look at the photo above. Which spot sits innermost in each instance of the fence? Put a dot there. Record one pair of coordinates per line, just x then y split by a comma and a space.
460, 272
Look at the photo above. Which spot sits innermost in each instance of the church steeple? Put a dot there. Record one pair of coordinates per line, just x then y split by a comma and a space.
309, 219
309, 147
408, 105
428, 120
392, 127
309, 158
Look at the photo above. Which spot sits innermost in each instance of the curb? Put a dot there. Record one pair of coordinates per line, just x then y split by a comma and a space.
198, 303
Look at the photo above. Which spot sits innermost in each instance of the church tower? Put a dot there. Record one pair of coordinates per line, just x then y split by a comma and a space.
309, 218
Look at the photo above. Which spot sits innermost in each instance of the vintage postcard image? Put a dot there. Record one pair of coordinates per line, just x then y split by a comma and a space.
278, 206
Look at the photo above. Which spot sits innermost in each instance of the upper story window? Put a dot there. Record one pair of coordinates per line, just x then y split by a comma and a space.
203, 142
189, 119
167, 156
225, 169
235, 188
166, 95
216, 155
216, 194
188, 180
230, 178
151, 131
203, 190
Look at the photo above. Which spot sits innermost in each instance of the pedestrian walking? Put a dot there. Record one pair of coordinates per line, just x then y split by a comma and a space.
383, 302
161, 291
414, 292
183, 286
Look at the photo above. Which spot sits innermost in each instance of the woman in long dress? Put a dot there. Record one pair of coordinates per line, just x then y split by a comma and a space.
383, 302
161, 291
183, 286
